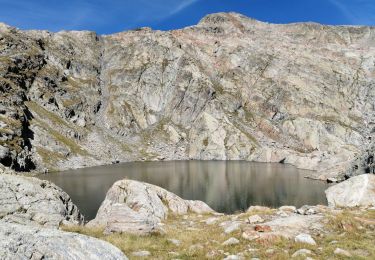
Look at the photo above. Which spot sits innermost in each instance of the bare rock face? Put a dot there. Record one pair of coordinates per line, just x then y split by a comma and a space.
30, 201
136, 207
26, 242
229, 88
358, 191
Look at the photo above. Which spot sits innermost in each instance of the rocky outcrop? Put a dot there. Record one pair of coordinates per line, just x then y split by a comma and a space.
358, 191
136, 207
229, 88
25, 242
30, 201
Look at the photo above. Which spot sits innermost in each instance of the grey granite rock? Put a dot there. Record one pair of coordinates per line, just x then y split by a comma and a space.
358, 191
26, 242
31, 201
137, 207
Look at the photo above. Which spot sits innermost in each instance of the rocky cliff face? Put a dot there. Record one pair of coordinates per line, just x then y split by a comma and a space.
229, 88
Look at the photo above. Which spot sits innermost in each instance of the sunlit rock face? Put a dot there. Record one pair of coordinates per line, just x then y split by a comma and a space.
358, 191
229, 88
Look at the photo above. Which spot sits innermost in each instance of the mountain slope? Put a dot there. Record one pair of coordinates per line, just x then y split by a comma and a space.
229, 88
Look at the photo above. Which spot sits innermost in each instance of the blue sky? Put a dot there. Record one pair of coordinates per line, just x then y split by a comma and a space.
108, 16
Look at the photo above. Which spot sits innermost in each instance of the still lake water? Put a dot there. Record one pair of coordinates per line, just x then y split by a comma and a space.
227, 186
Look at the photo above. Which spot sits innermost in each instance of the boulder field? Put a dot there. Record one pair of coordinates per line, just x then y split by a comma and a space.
37, 215
228, 88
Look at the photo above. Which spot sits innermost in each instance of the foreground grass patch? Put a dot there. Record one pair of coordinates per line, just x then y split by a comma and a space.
190, 237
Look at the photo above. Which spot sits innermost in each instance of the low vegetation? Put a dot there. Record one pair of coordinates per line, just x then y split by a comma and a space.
190, 237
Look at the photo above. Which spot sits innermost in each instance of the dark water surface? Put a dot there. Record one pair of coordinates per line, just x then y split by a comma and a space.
227, 186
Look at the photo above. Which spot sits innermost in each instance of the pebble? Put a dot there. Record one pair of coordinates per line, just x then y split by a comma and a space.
257, 208
288, 208
305, 238
231, 241
255, 219
211, 221
174, 241
250, 234
262, 228
233, 257
141, 253
342, 252
232, 227
282, 214
302, 252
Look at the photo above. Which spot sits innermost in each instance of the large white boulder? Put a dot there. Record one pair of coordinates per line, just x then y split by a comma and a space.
30, 201
137, 207
357, 191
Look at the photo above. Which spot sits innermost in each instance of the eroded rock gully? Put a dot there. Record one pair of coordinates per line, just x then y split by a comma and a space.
228, 88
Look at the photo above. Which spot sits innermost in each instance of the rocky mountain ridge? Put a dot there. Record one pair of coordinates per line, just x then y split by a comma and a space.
229, 88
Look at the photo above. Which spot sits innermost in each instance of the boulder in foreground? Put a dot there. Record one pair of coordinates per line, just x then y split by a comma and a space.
30, 201
357, 191
26, 242
136, 207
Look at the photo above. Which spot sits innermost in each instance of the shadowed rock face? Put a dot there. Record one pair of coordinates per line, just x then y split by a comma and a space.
228, 88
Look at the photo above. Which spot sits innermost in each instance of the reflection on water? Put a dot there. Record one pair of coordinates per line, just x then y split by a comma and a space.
227, 186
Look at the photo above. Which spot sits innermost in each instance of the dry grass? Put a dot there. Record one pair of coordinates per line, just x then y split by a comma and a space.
198, 239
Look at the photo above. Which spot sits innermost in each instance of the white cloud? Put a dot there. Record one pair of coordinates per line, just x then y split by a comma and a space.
158, 10
182, 6
360, 12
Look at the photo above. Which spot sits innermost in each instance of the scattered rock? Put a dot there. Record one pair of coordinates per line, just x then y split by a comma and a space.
342, 252
250, 234
288, 208
305, 238
174, 242
255, 219
231, 241
302, 252
257, 208
262, 228
211, 221
308, 210
233, 257
141, 253
358, 191
294, 224
234, 226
